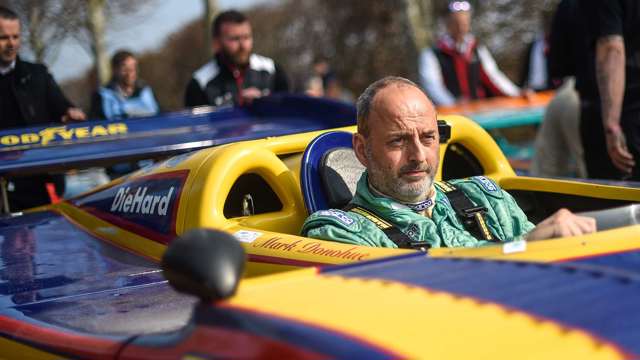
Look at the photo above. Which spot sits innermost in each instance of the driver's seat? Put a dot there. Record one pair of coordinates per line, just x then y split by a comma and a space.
329, 171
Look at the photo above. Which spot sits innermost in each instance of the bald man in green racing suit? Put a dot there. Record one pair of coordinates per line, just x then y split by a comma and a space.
398, 203
437, 224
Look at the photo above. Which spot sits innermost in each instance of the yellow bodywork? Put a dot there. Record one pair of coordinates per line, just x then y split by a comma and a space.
417, 323
15, 350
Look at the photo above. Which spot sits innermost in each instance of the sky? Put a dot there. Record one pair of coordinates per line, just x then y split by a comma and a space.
145, 31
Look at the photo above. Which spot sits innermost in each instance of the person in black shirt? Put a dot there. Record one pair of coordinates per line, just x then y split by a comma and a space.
235, 75
28, 96
610, 124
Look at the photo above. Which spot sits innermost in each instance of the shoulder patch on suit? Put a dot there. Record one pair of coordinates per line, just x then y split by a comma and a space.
340, 215
262, 63
442, 198
486, 183
206, 73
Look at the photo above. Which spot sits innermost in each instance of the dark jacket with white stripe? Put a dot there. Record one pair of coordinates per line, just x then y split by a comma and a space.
216, 84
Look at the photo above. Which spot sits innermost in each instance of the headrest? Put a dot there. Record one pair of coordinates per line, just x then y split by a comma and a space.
340, 171
313, 183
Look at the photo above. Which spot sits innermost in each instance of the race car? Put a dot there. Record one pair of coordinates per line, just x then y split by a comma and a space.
82, 278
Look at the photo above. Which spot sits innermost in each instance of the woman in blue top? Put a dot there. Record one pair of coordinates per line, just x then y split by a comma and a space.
125, 95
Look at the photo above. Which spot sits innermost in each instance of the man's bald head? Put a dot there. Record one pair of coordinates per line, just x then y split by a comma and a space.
397, 139
366, 101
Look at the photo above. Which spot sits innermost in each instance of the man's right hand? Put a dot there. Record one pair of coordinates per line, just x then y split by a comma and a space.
618, 151
562, 223
74, 114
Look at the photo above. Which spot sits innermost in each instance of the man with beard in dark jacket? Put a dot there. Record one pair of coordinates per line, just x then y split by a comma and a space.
28, 96
235, 75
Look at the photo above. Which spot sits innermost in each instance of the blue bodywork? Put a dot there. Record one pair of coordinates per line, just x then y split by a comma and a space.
54, 272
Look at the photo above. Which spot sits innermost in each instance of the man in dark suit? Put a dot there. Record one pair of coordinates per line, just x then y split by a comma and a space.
28, 96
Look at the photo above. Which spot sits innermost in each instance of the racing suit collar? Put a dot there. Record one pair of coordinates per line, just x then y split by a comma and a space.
424, 207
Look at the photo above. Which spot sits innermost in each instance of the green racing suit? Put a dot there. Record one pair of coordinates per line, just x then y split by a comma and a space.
504, 218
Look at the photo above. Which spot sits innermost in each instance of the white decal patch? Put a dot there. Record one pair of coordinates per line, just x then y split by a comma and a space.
338, 215
486, 183
514, 247
247, 236
126, 201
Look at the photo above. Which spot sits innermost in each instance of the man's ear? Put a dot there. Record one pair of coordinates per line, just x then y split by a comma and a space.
359, 147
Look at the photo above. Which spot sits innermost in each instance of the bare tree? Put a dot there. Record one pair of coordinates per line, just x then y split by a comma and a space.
44, 25
95, 25
91, 21
210, 12
49, 22
363, 40
419, 15
507, 28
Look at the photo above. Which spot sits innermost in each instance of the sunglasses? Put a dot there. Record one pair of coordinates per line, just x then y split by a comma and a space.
456, 6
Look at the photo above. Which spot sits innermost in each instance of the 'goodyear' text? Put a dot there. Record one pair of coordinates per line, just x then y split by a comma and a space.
62, 133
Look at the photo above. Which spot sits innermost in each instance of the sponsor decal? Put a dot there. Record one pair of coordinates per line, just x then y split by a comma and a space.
299, 246
61, 134
340, 215
514, 247
146, 205
414, 232
126, 201
486, 183
421, 206
247, 236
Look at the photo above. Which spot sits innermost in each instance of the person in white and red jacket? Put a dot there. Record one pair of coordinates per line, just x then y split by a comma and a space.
458, 68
